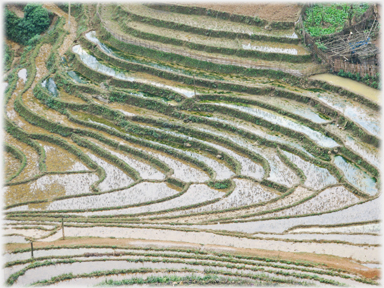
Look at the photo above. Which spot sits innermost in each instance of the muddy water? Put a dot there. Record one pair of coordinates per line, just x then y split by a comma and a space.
48, 187
140, 193
356, 176
8, 271
197, 193
329, 199
317, 177
60, 160
246, 193
342, 250
32, 167
351, 85
275, 118
11, 164
358, 229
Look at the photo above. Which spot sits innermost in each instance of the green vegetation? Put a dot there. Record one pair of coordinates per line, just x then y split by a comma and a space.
372, 81
186, 280
22, 30
324, 19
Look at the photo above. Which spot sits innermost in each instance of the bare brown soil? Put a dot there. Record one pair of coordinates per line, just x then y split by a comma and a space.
17, 9
323, 260
278, 12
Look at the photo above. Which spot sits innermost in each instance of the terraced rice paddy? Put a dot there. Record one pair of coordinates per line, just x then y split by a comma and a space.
133, 156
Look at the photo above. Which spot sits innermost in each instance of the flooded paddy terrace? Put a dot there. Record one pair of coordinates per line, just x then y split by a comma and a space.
268, 207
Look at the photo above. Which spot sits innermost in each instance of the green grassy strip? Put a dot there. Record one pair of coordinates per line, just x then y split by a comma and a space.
297, 216
156, 163
14, 276
18, 155
279, 93
268, 56
291, 165
303, 138
188, 61
83, 69
123, 12
337, 89
23, 136
207, 137
196, 252
178, 183
108, 156
162, 280
359, 132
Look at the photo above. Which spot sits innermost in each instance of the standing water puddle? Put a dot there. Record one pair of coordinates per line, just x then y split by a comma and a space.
23, 74
356, 176
50, 85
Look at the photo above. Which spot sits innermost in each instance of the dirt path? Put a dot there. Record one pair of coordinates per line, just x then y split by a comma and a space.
71, 27
326, 260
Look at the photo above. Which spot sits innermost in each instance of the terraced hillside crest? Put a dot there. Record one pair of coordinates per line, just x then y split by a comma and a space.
145, 144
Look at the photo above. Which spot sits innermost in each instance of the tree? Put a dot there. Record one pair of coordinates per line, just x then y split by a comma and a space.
36, 20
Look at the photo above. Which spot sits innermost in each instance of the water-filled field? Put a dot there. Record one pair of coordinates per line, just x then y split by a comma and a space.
176, 145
